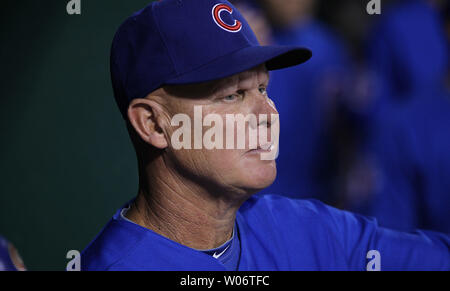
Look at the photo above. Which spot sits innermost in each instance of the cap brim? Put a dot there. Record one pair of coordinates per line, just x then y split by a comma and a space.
275, 58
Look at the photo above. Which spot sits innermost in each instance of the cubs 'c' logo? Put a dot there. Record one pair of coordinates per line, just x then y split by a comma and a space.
217, 10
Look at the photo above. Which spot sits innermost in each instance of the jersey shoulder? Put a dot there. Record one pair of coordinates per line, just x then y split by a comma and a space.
277, 207
302, 234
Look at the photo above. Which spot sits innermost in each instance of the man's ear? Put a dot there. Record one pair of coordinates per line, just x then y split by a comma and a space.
145, 116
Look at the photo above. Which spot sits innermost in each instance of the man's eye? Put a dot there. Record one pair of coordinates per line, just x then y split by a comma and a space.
231, 98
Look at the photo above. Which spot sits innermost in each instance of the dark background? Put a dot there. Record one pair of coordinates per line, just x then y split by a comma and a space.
66, 162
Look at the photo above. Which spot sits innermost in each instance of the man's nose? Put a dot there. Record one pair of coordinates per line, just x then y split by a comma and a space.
266, 111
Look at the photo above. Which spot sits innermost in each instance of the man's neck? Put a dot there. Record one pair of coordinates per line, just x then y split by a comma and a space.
184, 212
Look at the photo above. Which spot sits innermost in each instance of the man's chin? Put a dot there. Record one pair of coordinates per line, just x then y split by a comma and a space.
259, 179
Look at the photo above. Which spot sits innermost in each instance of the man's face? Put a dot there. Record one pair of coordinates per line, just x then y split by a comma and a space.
232, 167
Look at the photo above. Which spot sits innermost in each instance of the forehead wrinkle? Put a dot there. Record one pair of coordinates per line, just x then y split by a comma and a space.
252, 79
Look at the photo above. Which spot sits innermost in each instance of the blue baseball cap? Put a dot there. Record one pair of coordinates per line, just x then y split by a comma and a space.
174, 42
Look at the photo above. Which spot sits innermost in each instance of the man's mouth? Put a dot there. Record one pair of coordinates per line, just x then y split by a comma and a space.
265, 148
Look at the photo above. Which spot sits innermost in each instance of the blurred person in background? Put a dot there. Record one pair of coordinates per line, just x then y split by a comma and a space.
306, 96
410, 138
446, 10
10, 259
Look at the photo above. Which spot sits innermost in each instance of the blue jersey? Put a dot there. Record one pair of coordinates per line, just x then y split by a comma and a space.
275, 233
